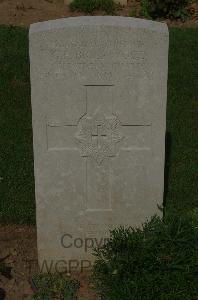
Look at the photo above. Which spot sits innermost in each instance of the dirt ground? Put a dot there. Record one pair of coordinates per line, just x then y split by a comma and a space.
26, 12
18, 245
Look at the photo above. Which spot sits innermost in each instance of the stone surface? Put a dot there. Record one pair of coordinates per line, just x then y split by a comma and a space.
99, 89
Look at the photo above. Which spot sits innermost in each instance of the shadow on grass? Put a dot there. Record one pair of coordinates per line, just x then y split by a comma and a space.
168, 143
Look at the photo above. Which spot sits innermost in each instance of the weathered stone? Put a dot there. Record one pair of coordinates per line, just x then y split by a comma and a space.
99, 89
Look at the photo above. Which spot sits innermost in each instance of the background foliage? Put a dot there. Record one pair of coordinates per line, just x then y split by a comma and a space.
89, 6
165, 8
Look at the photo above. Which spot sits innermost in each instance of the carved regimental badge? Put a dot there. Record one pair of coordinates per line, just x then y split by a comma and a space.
98, 135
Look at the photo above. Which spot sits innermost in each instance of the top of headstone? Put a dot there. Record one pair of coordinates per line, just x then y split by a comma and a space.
99, 21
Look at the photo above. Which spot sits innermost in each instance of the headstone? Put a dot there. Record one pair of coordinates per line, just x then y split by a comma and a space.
99, 89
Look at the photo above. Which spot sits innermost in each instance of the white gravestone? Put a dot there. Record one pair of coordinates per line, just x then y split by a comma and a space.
99, 89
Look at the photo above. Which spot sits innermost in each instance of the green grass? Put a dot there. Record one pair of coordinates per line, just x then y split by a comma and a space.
182, 122
158, 262
55, 286
17, 202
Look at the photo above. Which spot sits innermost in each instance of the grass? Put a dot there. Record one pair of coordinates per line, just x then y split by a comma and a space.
17, 201
158, 262
182, 123
55, 286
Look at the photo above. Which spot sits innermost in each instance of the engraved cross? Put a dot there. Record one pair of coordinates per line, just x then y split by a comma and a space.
98, 132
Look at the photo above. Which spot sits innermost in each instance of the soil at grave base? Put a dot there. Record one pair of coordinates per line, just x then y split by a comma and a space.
19, 244
26, 12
